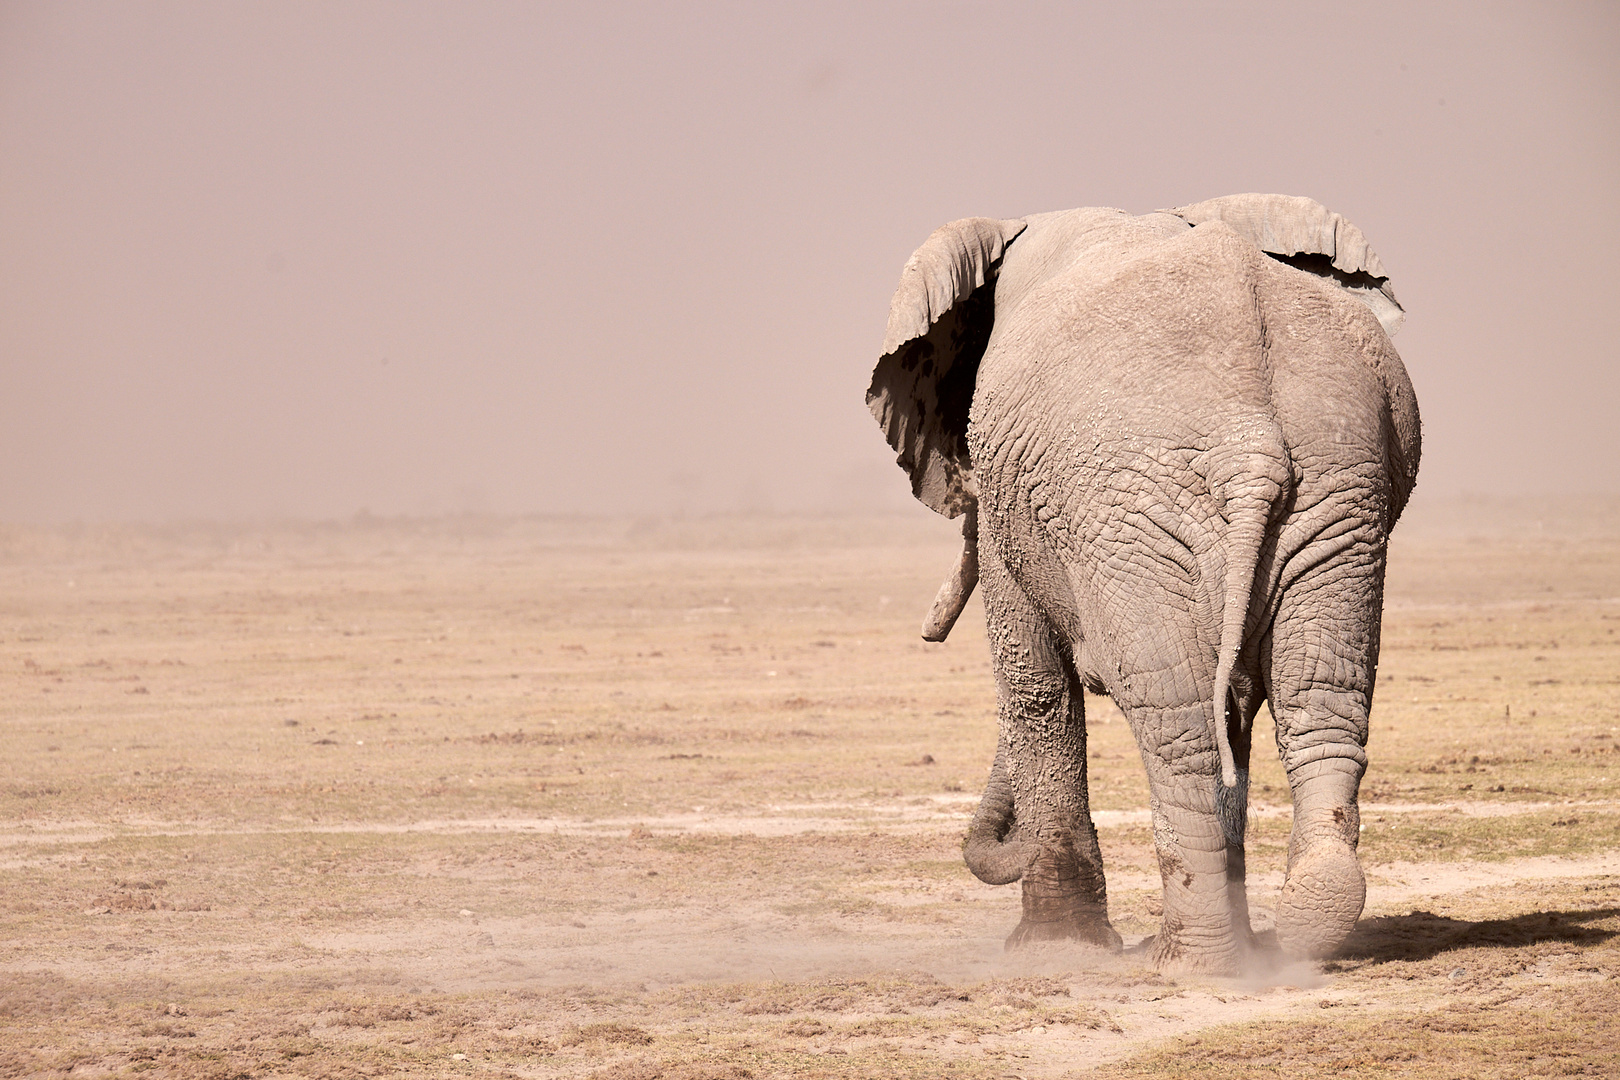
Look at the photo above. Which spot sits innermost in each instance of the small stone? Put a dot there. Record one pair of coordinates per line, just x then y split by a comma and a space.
1459, 973
465, 912
458, 1057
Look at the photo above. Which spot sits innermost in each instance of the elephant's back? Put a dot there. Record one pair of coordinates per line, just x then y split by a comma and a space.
1161, 341
1151, 342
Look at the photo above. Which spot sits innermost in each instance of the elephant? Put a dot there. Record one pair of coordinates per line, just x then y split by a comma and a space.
1179, 442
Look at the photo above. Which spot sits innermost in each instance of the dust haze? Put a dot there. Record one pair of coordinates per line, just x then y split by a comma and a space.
457, 613
300, 261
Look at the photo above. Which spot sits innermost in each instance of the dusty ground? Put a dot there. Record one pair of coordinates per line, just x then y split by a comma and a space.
684, 800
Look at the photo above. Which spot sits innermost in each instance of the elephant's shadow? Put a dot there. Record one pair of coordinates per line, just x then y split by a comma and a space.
1423, 935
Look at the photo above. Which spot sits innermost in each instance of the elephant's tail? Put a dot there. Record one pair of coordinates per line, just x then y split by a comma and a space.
1250, 500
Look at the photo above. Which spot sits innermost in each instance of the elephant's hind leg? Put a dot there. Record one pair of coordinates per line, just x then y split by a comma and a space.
1041, 765
1198, 827
1321, 653
1198, 822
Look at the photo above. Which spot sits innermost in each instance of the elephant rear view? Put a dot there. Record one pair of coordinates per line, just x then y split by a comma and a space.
1180, 442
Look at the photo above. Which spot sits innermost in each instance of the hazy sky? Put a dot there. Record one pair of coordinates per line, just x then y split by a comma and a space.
303, 259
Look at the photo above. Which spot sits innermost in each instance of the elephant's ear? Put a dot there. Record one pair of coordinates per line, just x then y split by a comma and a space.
1304, 233
939, 323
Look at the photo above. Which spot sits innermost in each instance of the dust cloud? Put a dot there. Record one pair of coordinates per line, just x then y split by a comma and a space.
710, 954
688, 953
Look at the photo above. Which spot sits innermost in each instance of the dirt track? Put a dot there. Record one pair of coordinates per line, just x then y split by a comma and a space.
685, 800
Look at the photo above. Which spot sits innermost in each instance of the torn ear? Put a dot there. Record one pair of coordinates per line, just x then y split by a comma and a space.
939, 323
1307, 235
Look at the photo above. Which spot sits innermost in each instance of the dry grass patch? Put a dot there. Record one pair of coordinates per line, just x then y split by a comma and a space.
1551, 1032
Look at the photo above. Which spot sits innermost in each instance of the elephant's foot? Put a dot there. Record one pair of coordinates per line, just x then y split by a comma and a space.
1064, 899
1176, 952
1092, 930
1321, 900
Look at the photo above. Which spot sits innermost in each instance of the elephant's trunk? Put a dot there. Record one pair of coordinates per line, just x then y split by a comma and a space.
990, 852
953, 595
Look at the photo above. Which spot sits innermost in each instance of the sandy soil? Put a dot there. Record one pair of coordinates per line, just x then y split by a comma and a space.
684, 799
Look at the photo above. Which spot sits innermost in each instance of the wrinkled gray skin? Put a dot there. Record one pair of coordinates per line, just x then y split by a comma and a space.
1180, 442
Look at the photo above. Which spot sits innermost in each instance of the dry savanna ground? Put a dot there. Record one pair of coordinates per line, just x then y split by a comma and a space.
550, 798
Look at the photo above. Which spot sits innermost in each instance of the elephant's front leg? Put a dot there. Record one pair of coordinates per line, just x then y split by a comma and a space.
1034, 822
